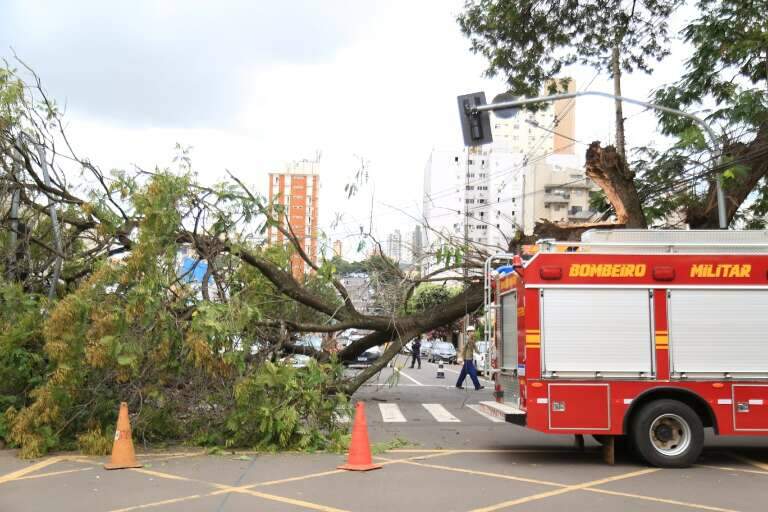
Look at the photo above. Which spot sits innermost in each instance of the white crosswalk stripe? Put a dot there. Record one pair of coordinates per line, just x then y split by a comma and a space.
440, 413
390, 413
479, 410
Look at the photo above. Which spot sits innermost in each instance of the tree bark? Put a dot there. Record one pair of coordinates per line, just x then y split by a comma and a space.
616, 71
736, 190
610, 171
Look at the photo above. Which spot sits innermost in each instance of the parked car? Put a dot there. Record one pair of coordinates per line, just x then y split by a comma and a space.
480, 353
426, 346
366, 358
442, 351
301, 360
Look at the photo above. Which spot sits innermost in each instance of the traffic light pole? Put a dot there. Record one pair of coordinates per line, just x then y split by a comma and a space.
491, 107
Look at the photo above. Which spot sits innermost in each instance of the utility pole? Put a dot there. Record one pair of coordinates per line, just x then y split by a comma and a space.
466, 241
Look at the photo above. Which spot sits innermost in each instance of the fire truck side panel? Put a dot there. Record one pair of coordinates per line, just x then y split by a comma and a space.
579, 406
735, 404
661, 336
593, 332
532, 335
750, 408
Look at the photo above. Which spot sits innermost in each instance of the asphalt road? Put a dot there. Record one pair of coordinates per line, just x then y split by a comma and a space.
455, 459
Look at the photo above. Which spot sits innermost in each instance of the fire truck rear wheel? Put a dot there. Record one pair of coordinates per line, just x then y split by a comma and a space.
667, 434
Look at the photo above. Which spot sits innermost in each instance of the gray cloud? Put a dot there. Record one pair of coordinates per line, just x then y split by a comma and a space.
169, 63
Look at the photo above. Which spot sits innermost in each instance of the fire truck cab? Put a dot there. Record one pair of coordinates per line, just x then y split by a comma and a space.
651, 335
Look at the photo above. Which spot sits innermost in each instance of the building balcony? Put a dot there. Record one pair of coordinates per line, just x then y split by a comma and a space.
556, 199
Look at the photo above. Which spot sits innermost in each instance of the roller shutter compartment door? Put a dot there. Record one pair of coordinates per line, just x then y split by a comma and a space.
718, 331
596, 330
509, 331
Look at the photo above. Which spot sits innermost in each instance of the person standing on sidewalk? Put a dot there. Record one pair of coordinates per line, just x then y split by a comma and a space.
416, 352
468, 355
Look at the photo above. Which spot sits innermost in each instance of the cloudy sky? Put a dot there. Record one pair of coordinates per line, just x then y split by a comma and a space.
252, 85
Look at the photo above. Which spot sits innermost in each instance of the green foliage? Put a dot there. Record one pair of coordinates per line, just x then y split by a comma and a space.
726, 74
530, 42
428, 295
282, 407
133, 331
95, 442
22, 363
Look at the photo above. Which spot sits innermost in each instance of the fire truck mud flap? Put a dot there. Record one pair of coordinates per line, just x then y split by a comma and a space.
506, 411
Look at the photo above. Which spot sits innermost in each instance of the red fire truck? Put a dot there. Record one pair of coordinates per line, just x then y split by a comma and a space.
652, 335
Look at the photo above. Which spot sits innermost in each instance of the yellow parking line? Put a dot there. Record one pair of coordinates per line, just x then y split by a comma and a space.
168, 476
249, 489
661, 500
485, 473
291, 501
157, 503
570, 488
53, 473
751, 462
727, 468
459, 450
29, 469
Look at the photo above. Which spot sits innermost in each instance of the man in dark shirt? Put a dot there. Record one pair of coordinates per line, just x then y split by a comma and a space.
416, 352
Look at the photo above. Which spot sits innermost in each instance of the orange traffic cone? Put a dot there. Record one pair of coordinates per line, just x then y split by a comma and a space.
123, 455
360, 449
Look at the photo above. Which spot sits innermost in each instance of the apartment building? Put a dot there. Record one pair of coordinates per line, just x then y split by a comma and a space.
297, 189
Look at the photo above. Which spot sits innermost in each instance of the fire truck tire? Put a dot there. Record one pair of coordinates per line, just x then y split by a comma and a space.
667, 434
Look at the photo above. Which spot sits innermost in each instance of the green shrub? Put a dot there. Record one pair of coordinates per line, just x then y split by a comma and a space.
281, 407
95, 442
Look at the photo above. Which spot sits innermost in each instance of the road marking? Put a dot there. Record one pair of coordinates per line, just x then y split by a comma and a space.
297, 478
726, 468
485, 473
53, 473
401, 385
157, 503
570, 488
401, 372
390, 413
168, 476
29, 469
440, 413
479, 410
223, 489
660, 500
290, 501
459, 450
751, 462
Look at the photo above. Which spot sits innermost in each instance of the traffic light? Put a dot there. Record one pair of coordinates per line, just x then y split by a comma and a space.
475, 126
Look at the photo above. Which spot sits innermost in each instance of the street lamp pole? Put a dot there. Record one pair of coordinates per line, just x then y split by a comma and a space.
491, 107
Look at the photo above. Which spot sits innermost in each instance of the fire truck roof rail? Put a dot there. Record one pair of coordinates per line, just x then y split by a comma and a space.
663, 241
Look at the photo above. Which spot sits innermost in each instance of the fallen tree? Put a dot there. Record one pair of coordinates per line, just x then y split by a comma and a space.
91, 267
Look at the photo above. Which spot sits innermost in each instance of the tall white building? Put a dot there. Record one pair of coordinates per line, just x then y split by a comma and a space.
549, 130
394, 246
479, 185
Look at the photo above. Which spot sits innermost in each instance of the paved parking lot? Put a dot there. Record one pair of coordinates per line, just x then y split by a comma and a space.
411, 479
456, 460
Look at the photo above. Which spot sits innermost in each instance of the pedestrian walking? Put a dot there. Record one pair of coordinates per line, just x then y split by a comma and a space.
416, 352
469, 364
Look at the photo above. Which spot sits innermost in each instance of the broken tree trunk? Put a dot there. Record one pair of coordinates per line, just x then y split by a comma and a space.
610, 171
